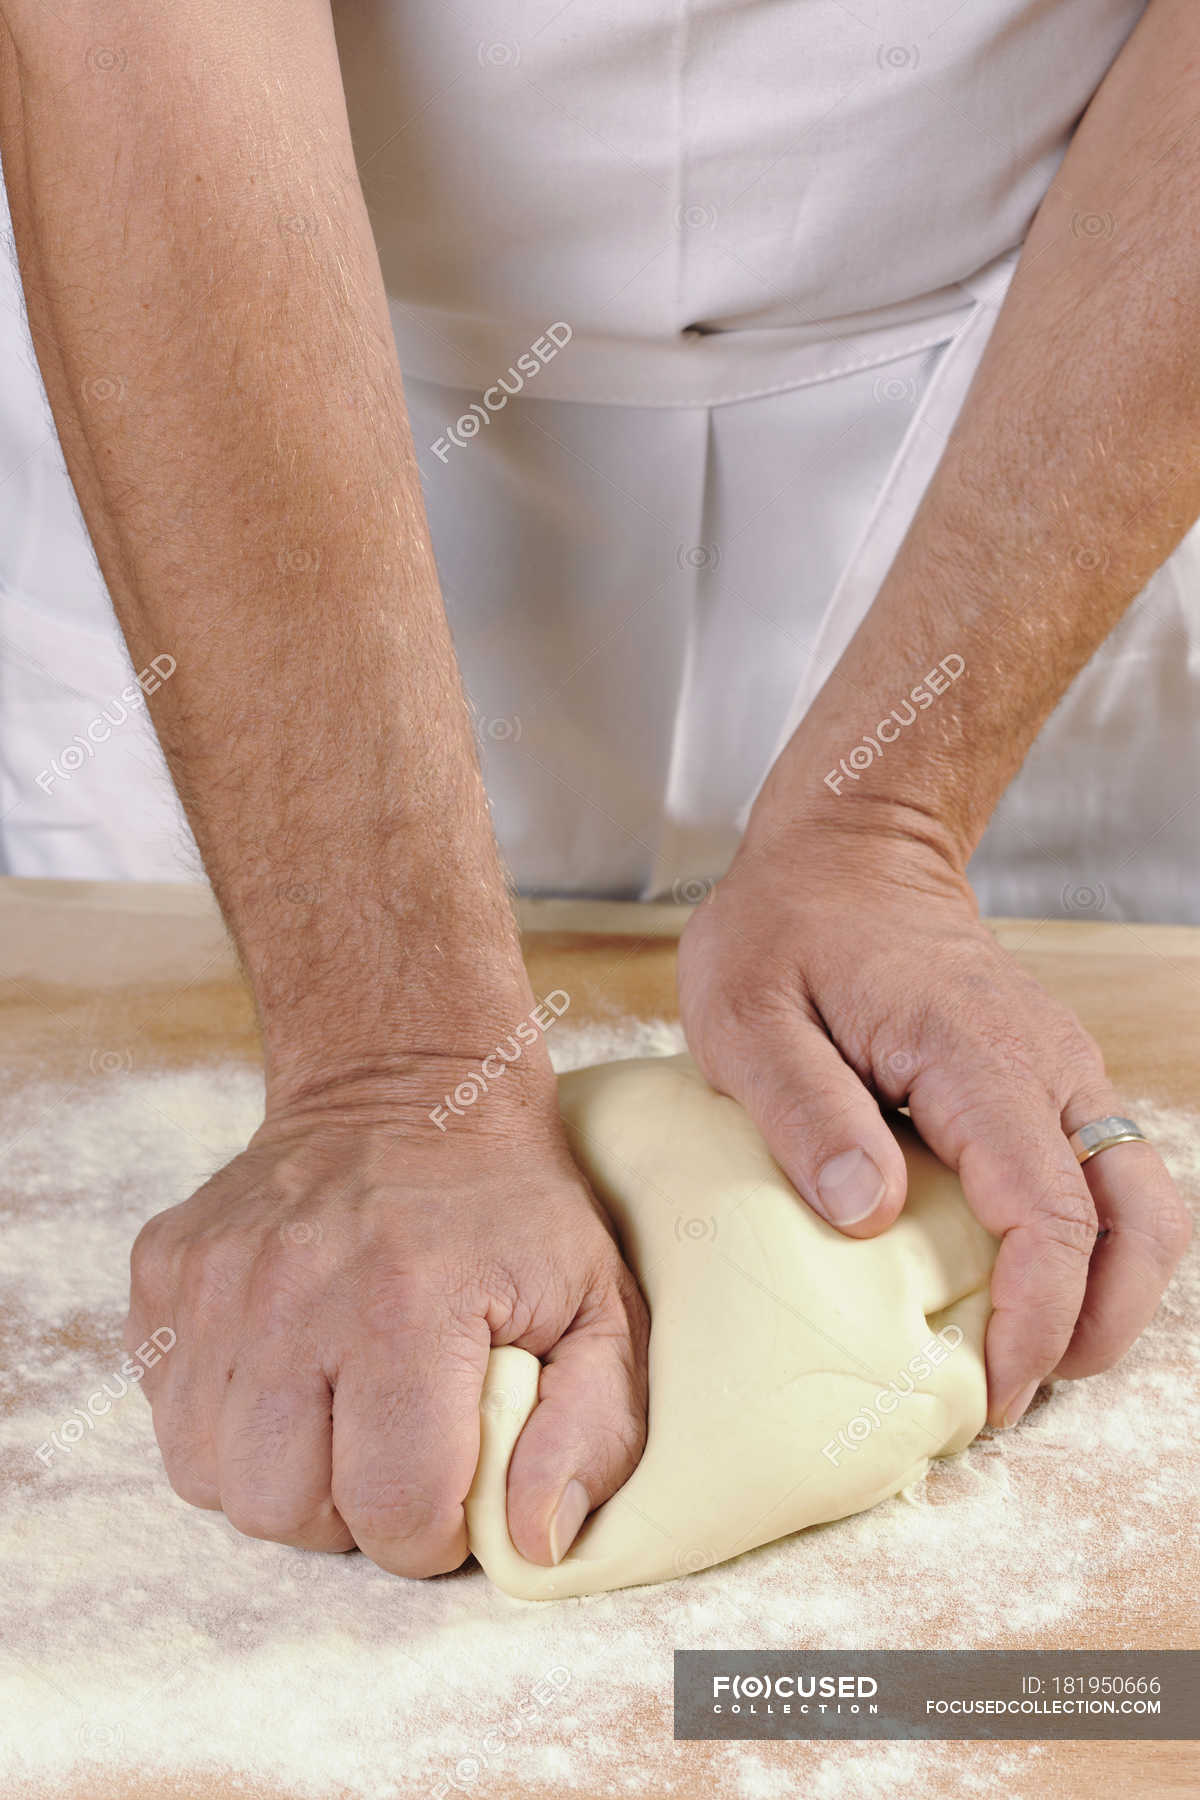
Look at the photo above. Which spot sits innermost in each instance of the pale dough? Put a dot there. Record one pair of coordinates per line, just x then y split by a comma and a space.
771, 1334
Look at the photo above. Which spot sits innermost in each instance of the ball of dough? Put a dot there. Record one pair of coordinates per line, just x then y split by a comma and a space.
796, 1375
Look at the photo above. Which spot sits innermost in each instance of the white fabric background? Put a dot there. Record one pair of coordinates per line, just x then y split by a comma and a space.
786, 174
643, 595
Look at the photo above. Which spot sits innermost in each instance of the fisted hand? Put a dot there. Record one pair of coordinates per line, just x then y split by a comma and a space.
335, 1291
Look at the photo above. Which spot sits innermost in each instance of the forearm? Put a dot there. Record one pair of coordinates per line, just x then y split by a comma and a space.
208, 313
1072, 472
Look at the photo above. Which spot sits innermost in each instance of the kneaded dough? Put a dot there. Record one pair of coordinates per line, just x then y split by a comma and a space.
795, 1374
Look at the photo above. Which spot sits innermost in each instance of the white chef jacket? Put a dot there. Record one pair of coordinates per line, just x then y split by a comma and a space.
806, 184
688, 299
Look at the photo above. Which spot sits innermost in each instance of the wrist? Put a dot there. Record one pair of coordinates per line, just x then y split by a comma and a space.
359, 977
811, 796
873, 837
489, 1072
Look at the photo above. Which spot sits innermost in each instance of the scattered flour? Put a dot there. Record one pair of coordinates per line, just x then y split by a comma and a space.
142, 1638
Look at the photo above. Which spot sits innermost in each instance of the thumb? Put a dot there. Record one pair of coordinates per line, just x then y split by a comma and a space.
820, 1123
585, 1436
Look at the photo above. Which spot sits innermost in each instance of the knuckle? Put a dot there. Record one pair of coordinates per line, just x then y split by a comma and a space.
148, 1263
1050, 1309
1003, 1056
1065, 1221
615, 1304
741, 1002
810, 1104
1017, 1054
1084, 1058
280, 1292
819, 1112
390, 1299
738, 1005
978, 1105
409, 1518
207, 1279
623, 1438
1047, 1311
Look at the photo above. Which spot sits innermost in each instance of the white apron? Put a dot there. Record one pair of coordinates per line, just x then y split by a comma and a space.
657, 536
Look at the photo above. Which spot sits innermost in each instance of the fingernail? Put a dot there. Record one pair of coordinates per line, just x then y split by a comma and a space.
572, 1509
850, 1187
1018, 1405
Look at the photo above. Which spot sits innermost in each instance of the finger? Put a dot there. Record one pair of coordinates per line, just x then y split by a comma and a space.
585, 1435
273, 1431
185, 1409
406, 1441
1145, 1230
820, 1123
1022, 1181
183, 1389
274, 1447
150, 1312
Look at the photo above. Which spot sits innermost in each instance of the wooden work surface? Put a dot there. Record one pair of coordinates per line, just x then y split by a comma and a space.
147, 971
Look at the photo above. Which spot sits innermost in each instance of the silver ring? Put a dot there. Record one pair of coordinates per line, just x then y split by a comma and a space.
1102, 1134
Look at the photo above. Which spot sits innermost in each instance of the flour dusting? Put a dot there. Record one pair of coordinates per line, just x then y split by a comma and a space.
142, 1637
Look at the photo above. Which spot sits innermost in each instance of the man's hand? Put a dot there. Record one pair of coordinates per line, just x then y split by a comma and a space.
831, 969
335, 1292
842, 957
225, 387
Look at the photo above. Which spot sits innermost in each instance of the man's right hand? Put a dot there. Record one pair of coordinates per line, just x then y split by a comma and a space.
335, 1291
